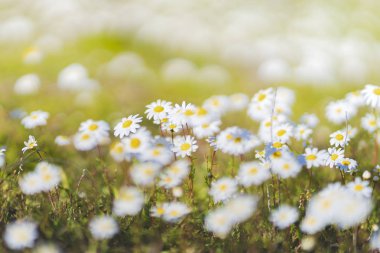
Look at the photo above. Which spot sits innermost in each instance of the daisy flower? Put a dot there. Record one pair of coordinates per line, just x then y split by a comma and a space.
264, 97
158, 154
286, 166
99, 129
103, 227
219, 222
283, 132
223, 189
127, 125
49, 174
347, 164
30, 183
158, 109
138, 142
117, 152
315, 157
312, 224
128, 201
309, 119
360, 187
371, 95
61, 140
34, 119
183, 114
30, 144
334, 155
242, 207
217, 104
144, 173
370, 122
258, 112
158, 210
252, 173
339, 111
302, 132
284, 216
184, 146
84, 141
236, 141
339, 138
238, 101
175, 211
207, 129
180, 169
169, 181
20, 234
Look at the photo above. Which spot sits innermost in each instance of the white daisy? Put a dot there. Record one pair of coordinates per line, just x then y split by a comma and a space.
334, 156
371, 95
223, 189
315, 157
184, 146
175, 211
34, 119
103, 227
128, 201
30, 144
284, 216
144, 173
127, 125
339, 138
158, 110
360, 187
20, 234
252, 173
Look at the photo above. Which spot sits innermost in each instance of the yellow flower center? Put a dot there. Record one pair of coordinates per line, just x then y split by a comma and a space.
148, 171
126, 196
281, 132
237, 140
253, 171
358, 187
135, 143
174, 213
286, 166
158, 108
377, 91
339, 137
93, 127
127, 123
346, 162
202, 111
223, 187
277, 144
185, 146
261, 97
189, 112
46, 177
160, 210
334, 157
311, 157
85, 137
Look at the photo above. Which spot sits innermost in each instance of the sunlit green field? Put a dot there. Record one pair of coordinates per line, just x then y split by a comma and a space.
91, 179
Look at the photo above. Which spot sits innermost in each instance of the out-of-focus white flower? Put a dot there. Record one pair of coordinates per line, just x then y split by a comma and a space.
34, 119
27, 84
284, 216
20, 234
103, 227
371, 95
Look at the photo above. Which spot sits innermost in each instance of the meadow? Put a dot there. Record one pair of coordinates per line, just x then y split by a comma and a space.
238, 167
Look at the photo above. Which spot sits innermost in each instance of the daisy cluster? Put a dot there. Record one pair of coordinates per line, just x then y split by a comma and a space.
165, 163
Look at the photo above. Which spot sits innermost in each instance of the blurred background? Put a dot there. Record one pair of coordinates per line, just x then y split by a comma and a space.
139, 50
